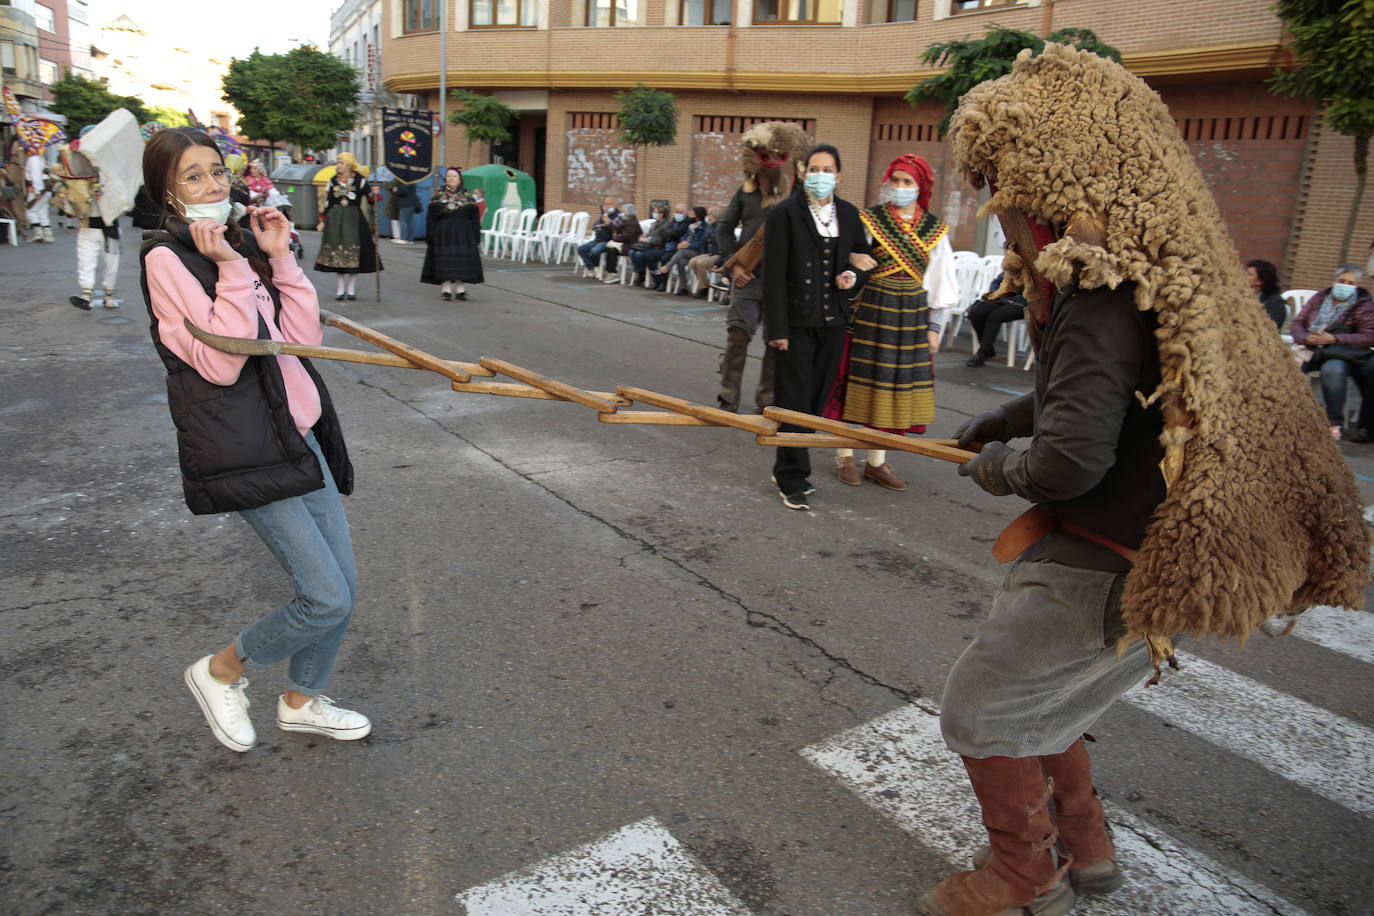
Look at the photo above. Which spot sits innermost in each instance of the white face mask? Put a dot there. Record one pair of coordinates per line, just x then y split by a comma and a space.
902, 197
218, 211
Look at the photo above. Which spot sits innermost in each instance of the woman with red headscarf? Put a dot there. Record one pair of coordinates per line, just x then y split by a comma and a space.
888, 382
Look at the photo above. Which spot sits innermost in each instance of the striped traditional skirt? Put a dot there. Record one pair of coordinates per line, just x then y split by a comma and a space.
890, 383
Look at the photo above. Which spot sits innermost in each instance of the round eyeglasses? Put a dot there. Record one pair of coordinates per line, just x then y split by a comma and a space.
221, 176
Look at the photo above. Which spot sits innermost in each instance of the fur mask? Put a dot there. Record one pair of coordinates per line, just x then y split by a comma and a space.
772, 158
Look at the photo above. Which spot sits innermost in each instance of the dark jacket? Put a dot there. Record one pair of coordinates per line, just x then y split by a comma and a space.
1359, 316
1095, 452
697, 234
238, 444
746, 211
1275, 307
627, 233
603, 230
665, 232
798, 277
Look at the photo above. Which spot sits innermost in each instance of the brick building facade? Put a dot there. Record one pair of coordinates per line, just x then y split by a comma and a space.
1281, 181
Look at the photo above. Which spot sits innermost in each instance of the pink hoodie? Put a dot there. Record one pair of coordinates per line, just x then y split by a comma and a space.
239, 299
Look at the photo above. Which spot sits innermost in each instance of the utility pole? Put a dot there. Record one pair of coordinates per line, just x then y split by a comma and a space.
443, 85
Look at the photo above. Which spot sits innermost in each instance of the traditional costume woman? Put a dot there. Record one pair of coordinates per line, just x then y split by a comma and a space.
347, 247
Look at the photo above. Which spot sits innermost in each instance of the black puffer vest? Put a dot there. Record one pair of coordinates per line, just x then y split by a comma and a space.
238, 445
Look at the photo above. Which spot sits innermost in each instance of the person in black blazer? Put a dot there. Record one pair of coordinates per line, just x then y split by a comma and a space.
807, 287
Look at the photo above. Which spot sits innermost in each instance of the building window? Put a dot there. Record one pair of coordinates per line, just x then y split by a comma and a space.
7, 58
969, 6
420, 16
43, 16
901, 10
606, 13
47, 72
807, 12
503, 14
705, 12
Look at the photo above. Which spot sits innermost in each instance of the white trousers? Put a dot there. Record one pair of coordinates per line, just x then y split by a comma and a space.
38, 213
91, 250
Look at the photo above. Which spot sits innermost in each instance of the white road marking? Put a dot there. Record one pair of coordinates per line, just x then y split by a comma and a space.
1338, 629
898, 764
1313, 747
637, 869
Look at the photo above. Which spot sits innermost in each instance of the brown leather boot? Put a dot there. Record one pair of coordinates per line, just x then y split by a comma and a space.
1082, 824
1022, 875
732, 368
763, 397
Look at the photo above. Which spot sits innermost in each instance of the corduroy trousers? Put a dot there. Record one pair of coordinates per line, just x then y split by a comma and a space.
1043, 667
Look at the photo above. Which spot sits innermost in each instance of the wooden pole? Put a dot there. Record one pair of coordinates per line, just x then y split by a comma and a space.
714, 415
873, 437
562, 390
419, 357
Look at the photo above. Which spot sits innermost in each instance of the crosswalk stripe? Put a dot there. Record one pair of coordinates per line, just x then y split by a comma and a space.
641, 868
1313, 747
898, 764
1340, 630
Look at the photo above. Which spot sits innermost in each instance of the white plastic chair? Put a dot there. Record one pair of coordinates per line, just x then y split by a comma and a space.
541, 236
968, 273
512, 244
11, 231
500, 224
1295, 299
574, 235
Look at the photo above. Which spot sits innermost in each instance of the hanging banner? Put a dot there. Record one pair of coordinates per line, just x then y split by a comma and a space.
408, 143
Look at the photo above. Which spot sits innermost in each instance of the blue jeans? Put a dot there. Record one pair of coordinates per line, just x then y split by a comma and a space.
590, 252
1334, 374
647, 259
309, 537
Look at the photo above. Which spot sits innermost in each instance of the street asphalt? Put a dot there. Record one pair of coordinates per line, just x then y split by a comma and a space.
564, 627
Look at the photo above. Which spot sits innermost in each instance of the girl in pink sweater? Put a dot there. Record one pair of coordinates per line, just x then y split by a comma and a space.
247, 429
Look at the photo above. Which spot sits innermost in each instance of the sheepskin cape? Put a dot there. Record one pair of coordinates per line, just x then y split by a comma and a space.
1262, 514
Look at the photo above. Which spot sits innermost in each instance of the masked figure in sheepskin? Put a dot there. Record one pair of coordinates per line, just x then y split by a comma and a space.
771, 155
1181, 475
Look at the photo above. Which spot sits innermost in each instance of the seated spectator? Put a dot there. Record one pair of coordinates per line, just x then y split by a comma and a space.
622, 240
658, 244
1333, 335
709, 258
987, 317
602, 231
689, 246
1264, 280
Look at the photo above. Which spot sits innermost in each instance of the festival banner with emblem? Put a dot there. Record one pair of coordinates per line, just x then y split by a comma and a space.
408, 143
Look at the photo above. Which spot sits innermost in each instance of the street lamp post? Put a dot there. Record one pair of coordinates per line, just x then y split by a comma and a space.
443, 84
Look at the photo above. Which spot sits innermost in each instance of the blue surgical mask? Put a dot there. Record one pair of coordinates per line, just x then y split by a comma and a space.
820, 184
679, 217
1342, 291
902, 197
218, 211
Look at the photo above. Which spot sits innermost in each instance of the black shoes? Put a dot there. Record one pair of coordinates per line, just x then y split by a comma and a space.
339, 297
446, 295
701, 293
462, 296
977, 361
79, 302
1360, 435
352, 296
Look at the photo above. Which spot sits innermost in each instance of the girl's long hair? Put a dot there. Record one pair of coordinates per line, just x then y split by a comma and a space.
161, 156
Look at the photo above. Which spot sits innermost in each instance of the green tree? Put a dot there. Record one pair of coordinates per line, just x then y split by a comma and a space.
83, 101
304, 96
1333, 42
648, 117
970, 61
483, 117
169, 115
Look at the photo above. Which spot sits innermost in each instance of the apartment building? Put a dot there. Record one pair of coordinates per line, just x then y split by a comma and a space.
355, 30
841, 67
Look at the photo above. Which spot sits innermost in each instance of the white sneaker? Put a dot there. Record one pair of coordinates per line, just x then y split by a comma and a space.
321, 717
225, 706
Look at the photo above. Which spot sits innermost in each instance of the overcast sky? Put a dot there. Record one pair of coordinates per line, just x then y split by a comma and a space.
238, 26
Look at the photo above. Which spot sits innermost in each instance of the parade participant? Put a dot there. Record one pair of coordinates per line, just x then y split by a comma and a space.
808, 240
452, 238
16, 194
97, 241
1162, 465
772, 157
257, 435
39, 187
895, 331
347, 247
